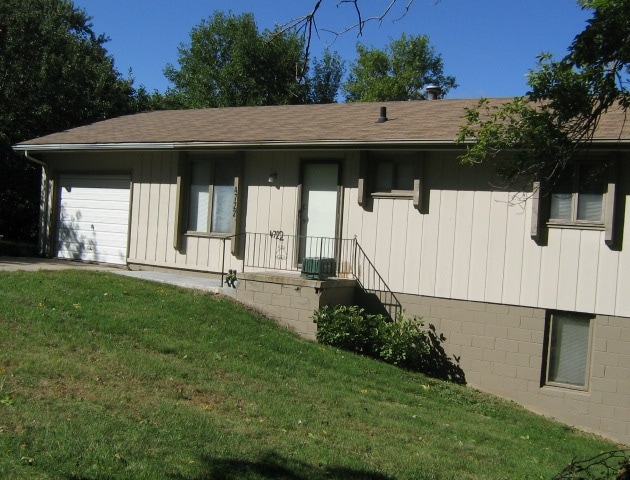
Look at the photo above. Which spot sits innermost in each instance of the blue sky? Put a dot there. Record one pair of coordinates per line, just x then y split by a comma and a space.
488, 45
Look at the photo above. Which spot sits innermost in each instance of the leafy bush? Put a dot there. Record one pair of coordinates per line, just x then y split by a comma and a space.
402, 342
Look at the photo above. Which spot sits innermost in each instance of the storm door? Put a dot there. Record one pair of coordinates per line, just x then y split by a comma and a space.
318, 212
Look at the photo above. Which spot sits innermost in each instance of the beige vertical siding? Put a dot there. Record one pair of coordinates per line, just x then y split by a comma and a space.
474, 244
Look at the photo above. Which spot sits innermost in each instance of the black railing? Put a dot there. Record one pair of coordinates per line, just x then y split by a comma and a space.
323, 256
377, 296
319, 258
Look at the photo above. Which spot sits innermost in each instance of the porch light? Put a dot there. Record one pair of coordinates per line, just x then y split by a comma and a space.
272, 177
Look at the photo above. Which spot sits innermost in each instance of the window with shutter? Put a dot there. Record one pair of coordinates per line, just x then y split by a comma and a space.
577, 197
211, 196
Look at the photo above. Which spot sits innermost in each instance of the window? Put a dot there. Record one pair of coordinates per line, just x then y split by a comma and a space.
391, 175
394, 176
578, 195
568, 357
585, 196
211, 198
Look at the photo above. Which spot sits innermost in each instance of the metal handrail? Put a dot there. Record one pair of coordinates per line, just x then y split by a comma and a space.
372, 283
332, 256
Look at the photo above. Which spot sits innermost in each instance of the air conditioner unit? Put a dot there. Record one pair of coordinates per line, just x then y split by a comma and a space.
317, 268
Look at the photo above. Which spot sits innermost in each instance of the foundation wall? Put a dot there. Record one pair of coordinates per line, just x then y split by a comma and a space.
501, 351
290, 299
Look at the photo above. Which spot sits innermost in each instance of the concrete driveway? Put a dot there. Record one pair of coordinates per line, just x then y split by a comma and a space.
197, 282
33, 264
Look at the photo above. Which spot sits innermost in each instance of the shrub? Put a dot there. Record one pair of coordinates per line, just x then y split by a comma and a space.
402, 342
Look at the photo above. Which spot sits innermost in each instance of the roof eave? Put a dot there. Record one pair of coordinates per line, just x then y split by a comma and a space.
64, 147
317, 144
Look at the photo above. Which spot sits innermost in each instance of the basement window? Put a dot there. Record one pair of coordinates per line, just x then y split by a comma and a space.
568, 350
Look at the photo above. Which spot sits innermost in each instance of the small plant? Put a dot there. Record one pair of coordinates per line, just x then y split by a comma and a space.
402, 342
231, 279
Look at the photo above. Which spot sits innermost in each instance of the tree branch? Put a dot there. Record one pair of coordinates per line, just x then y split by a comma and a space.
307, 25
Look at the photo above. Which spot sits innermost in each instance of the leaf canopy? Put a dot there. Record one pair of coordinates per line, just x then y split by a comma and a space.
400, 72
543, 130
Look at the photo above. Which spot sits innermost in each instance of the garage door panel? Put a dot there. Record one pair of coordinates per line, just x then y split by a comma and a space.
103, 228
89, 237
94, 218
94, 202
88, 216
102, 255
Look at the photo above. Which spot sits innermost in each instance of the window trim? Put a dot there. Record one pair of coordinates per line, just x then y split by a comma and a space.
548, 351
367, 182
574, 222
540, 199
183, 184
208, 232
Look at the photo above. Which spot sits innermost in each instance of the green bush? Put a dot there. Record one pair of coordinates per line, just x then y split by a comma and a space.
402, 342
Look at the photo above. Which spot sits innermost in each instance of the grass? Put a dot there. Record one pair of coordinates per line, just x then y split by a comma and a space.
106, 377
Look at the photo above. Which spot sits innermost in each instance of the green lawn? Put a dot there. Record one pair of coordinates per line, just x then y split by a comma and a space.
106, 377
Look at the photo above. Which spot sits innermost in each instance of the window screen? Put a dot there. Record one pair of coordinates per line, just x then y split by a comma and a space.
211, 200
569, 344
223, 197
199, 202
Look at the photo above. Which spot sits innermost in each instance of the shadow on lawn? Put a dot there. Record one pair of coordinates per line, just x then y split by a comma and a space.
274, 466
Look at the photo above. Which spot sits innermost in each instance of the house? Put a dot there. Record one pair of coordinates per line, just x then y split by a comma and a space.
531, 292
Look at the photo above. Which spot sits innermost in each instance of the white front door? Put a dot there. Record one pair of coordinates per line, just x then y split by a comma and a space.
93, 220
318, 214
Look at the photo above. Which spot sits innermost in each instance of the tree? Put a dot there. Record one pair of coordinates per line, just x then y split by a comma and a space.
567, 98
325, 80
54, 74
229, 63
400, 72
377, 10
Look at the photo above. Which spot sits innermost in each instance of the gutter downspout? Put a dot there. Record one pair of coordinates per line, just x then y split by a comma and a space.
44, 213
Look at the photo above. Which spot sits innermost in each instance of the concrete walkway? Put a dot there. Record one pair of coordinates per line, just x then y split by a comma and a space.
203, 283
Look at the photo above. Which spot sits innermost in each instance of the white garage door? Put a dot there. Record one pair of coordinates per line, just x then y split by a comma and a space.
93, 218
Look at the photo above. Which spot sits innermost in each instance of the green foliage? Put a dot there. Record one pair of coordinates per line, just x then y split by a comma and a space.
229, 63
104, 376
400, 72
325, 80
538, 148
566, 100
402, 342
55, 74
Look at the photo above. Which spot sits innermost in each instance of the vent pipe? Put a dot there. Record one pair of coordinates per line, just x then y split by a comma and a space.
383, 115
433, 92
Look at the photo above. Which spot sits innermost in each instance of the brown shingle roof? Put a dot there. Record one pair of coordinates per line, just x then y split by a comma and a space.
351, 123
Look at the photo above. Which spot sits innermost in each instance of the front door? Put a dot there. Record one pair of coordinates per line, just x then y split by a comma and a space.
318, 213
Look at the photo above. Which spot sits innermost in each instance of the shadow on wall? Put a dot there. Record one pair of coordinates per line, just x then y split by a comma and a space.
273, 465
70, 243
438, 364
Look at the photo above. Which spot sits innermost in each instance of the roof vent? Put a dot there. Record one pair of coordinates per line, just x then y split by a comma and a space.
383, 115
433, 92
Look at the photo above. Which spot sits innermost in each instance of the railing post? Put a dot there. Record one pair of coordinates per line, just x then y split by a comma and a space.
223, 262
